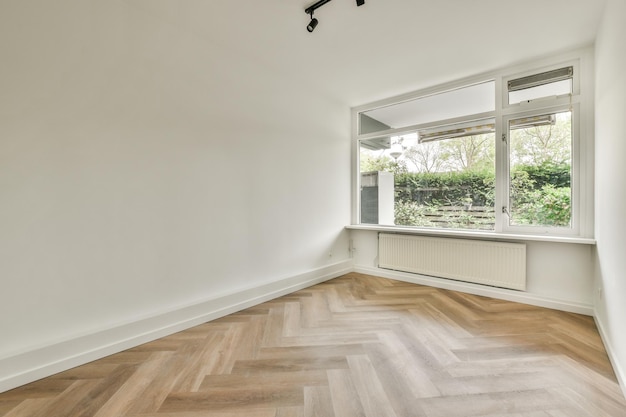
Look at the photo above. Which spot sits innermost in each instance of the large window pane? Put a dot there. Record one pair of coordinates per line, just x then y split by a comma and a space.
540, 172
446, 181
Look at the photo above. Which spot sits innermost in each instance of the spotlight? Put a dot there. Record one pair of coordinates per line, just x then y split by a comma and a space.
312, 24
319, 3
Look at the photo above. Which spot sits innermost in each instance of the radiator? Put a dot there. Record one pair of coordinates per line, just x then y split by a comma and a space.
498, 264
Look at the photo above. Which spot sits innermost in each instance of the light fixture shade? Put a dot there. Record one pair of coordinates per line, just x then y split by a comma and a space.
312, 25
396, 149
395, 154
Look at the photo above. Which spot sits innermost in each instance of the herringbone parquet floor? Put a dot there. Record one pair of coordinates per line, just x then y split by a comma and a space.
354, 346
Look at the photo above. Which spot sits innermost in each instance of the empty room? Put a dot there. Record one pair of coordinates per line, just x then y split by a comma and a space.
342, 208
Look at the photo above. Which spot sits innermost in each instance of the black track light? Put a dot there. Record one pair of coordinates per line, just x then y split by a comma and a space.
309, 10
312, 24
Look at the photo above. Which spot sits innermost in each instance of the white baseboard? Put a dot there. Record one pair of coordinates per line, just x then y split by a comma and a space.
26, 367
476, 289
617, 368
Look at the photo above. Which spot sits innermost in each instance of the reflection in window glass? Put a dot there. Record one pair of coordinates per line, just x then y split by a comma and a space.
548, 90
466, 101
540, 170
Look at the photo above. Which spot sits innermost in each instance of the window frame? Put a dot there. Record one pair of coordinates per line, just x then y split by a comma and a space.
576, 82
581, 103
574, 186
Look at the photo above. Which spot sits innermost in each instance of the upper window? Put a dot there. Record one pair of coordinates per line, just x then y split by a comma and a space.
455, 160
459, 102
553, 83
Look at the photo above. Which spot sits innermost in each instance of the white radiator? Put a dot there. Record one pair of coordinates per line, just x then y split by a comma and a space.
497, 264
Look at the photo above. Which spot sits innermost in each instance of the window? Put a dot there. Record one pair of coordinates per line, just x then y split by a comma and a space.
459, 102
540, 170
546, 84
443, 177
452, 158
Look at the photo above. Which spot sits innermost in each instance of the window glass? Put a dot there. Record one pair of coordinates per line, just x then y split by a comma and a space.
447, 181
547, 90
540, 170
466, 101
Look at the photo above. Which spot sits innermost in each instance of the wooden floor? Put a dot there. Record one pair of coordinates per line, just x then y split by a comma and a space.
354, 346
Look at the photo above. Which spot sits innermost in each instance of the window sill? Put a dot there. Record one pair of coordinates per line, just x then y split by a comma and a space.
473, 234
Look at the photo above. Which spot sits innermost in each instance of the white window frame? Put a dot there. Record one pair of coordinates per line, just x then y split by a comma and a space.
575, 162
581, 103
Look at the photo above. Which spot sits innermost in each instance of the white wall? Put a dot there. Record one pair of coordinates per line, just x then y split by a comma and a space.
559, 275
144, 169
611, 182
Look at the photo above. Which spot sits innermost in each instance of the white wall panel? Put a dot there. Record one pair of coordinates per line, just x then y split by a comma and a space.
143, 167
610, 291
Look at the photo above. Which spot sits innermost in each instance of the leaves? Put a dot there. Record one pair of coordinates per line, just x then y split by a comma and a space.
540, 195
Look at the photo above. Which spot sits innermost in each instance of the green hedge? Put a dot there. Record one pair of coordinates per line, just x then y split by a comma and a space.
540, 194
446, 189
454, 188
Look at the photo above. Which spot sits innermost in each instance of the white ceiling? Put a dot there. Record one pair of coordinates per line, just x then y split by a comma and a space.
385, 47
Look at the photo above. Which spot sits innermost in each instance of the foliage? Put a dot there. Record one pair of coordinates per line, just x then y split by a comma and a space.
548, 206
539, 145
446, 188
382, 163
558, 175
426, 157
459, 220
447, 177
540, 195
410, 213
470, 153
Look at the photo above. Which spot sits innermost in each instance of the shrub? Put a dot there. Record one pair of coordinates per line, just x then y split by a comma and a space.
446, 188
549, 206
540, 195
559, 175
410, 213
